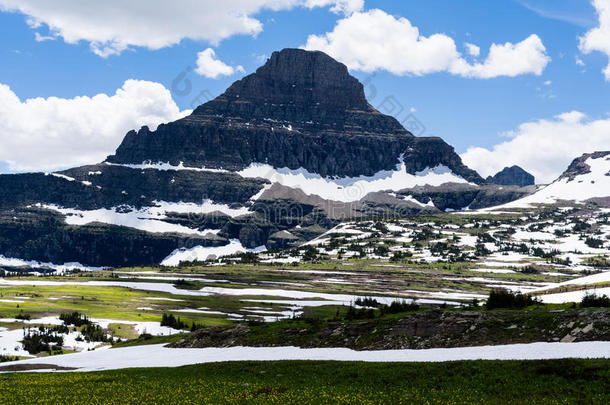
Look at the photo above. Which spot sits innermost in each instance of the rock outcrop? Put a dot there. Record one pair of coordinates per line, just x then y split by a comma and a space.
455, 197
579, 166
512, 176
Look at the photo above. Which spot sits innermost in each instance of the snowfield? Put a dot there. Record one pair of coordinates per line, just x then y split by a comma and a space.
159, 356
572, 296
350, 189
200, 253
148, 219
59, 268
165, 166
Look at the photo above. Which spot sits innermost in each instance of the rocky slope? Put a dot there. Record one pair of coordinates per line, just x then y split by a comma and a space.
424, 330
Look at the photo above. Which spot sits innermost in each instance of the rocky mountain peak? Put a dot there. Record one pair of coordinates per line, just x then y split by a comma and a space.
512, 176
301, 109
295, 77
579, 166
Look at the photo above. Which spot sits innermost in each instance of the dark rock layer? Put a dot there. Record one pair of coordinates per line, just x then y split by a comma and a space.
453, 196
106, 186
512, 176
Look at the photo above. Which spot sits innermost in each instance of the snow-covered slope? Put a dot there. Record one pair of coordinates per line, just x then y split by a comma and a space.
587, 177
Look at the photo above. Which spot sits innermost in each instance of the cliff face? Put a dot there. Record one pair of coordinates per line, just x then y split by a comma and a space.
512, 176
301, 109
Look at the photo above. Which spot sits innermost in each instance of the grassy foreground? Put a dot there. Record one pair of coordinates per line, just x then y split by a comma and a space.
472, 382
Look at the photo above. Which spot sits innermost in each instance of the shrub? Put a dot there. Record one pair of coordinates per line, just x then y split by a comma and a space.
4, 359
367, 302
249, 258
310, 254
501, 298
397, 307
595, 301
397, 256
171, 321
381, 250
41, 340
74, 318
94, 333
359, 313
530, 270
594, 243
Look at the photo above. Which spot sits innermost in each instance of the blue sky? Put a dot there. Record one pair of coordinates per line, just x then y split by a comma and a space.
465, 111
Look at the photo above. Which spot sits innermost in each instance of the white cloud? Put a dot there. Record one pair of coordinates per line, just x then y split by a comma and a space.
472, 49
545, 147
346, 7
209, 66
51, 133
111, 26
374, 40
42, 38
598, 39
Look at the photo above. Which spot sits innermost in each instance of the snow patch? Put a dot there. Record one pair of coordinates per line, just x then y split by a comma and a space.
200, 253
350, 189
160, 356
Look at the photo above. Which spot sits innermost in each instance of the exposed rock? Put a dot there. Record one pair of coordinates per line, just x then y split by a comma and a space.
512, 176
456, 196
423, 330
282, 240
579, 165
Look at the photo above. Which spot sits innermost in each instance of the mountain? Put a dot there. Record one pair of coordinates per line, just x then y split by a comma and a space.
587, 178
512, 176
301, 109
280, 157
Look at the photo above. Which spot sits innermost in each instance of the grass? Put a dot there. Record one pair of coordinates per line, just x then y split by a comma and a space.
118, 303
289, 382
149, 340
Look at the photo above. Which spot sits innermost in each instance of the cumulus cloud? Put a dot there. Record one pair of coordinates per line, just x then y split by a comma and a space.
545, 147
374, 40
347, 7
51, 133
598, 39
112, 26
472, 49
209, 66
